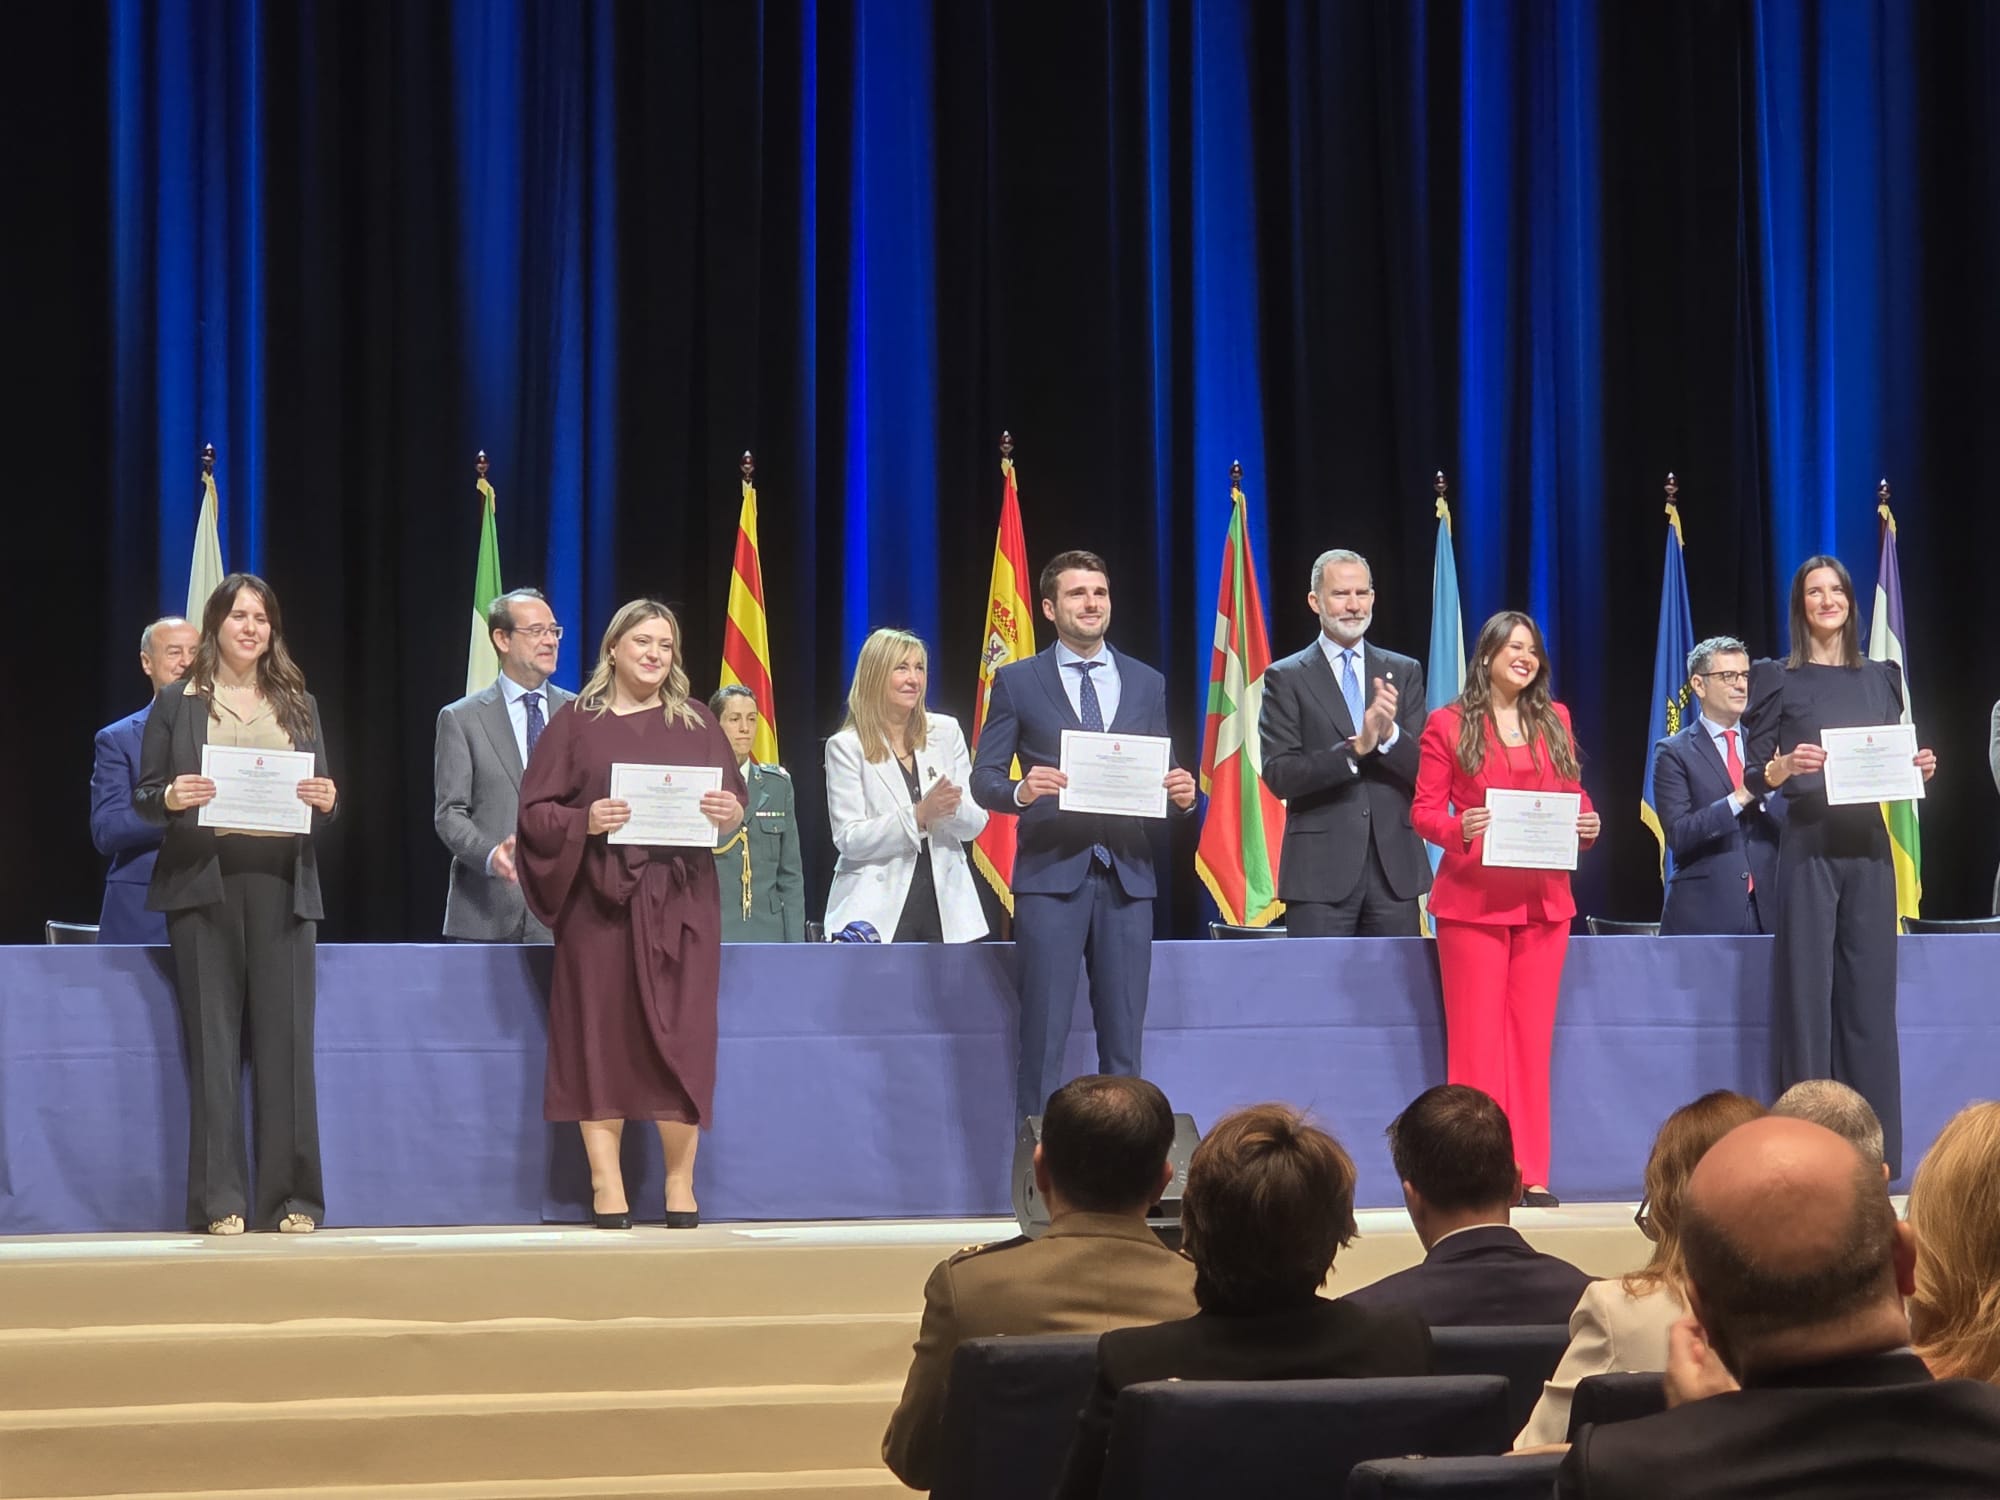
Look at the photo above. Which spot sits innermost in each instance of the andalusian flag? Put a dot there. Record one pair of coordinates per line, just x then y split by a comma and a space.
205, 571
1885, 643
746, 639
1010, 636
482, 663
1672, 646
1446, 678
1244, 827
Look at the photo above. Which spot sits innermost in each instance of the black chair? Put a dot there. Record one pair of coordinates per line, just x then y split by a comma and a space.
1935, 926
1615, 1398
1530, 1476
1232, 930
815, 932
1526, 1355
1605, 927
1009, 1414
1290, 1439
70, 932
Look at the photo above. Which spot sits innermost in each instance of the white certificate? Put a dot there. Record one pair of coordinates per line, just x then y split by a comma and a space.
1531, 830
666, 804
1875, 764
256, 791
1124, 775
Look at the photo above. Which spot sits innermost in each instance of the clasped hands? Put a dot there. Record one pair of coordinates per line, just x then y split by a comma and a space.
191, 791
1046, 781
608, 813
1378, 720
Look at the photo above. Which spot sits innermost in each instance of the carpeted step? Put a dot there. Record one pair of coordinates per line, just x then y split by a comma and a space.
804, 1484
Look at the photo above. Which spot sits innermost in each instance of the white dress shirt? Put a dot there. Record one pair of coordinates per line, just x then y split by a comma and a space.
1105, 679
1359, 651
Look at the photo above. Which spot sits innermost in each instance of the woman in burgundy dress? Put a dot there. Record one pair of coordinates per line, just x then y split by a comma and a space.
638, 928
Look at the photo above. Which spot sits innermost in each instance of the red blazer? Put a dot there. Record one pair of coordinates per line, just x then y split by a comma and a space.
1465, 890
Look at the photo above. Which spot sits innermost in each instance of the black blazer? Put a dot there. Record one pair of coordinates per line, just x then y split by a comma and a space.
1717, 851
1480, 1278
1319, 1341
1852, 1430
187, 873
1337, 802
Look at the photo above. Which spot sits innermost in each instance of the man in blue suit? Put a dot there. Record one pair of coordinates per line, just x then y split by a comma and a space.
1724, 839
166, 650
1083, 883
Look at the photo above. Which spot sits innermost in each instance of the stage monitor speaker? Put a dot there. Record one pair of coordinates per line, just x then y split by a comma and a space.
1163, 1218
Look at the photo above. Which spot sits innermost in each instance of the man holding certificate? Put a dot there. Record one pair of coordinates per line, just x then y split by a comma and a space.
1089, 728
1826, 725
1497, 790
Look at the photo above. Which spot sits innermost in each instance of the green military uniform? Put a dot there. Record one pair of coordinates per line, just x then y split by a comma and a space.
763, 884
1087, 1274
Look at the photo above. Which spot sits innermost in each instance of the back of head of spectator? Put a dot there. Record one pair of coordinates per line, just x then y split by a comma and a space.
1841, 1110
1793, 1254
1454, 1154
1104, 1147
1269, 1201
1685, 1137
1955, 1212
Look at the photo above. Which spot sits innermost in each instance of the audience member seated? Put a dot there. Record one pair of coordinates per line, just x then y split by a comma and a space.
1101, 1164
1622, 1324
1454, 1152
1796, 1270
1955, 1213
1825, 1101
1269, 1201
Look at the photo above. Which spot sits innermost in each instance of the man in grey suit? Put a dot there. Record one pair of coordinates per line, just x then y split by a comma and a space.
483, 742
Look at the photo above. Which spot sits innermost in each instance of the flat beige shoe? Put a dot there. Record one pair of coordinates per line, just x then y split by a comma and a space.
296, 1224
231, 1224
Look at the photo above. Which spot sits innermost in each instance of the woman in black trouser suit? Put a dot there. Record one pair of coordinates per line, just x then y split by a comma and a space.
1833, 970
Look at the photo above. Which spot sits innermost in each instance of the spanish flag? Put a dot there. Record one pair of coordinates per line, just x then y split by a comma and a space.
1009, 637
746, 642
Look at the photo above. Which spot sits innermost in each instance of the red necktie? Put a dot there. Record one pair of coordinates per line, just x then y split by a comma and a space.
1735, 764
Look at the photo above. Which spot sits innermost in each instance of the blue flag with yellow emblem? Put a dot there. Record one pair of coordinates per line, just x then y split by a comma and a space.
1670, 677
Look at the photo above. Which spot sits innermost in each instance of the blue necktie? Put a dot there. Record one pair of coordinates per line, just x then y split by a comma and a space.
1091, 712
1350, 688
532, 702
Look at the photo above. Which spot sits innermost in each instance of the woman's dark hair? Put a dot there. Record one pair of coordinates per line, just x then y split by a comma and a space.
1535, 705
1269, 1201
278, 676
727, 691
1850, 633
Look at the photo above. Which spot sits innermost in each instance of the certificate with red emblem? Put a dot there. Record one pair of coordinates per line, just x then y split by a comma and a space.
1531, 830
256, 791
665, 803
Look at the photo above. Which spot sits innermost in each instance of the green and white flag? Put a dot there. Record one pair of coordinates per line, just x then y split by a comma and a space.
205, 571
482, 667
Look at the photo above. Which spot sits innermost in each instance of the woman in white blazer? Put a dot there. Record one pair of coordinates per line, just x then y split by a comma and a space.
895, 795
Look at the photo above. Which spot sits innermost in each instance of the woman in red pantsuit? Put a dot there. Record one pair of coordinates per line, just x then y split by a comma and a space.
1501, 933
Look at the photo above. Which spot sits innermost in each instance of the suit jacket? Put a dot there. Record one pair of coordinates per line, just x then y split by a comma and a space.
766, 847
187, 873
1337, 803
118, 831
1465, 890
1025, 716
476, 804
1993, 761
1612, 1332
875, 829
1854, 1429
1087, 1273
1319, 1341
1480, 1278
1717, 851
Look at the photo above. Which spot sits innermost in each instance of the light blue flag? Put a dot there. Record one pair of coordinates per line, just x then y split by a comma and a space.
1446, 670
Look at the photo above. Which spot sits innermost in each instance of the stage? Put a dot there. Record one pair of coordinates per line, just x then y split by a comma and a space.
874, 1082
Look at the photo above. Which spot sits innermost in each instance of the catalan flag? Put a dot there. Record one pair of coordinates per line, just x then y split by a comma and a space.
1244, 827
1672, 646
205, 569
746, 639
1009, 637
482, 663
1885, 643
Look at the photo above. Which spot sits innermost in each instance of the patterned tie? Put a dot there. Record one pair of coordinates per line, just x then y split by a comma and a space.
1350, 687
533, 703
1092, 713
1735, 764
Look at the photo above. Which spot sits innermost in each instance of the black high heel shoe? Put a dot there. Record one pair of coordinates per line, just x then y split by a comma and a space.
620, 1220
683, 1218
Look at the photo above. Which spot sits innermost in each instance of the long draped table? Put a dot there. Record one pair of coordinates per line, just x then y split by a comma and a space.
876, 1082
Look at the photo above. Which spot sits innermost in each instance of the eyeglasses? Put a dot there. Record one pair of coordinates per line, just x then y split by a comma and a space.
1728, 679
539, 632
1644, 1219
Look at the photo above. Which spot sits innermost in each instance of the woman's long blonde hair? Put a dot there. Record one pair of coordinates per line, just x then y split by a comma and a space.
1683, 1141
879, 655
596, 695
1535, 705
1955, 1211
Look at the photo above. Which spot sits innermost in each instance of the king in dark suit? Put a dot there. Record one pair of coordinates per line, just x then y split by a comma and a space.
166, 650
1083, 883
1723, 837
1343, 755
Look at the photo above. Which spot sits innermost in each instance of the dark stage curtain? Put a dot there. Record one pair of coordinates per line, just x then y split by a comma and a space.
1552, 248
